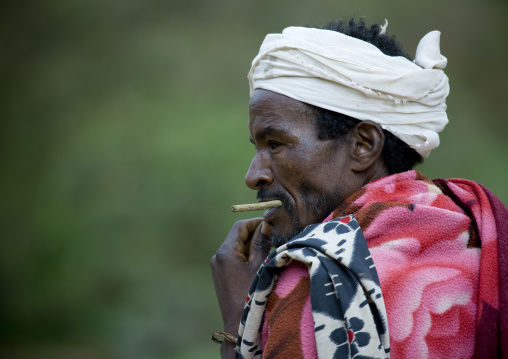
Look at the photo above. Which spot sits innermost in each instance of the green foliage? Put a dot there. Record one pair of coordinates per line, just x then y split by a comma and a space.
124, 143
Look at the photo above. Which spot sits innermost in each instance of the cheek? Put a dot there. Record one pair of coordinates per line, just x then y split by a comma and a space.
303, 173
295, 163
288, 168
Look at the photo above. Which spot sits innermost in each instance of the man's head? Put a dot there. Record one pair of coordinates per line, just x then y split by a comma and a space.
307, 156
309, 174
397, 155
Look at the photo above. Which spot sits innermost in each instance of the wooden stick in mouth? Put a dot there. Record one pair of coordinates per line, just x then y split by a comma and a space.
256, 206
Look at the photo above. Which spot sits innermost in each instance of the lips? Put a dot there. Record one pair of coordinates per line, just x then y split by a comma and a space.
269, 199
265, 196
270, 213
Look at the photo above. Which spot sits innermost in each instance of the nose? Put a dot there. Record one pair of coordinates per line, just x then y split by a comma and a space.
259, 173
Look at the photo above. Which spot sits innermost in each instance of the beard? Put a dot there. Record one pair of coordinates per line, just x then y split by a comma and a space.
278, 239
319, 208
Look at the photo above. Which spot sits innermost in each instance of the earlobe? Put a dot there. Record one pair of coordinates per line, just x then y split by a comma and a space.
368, 141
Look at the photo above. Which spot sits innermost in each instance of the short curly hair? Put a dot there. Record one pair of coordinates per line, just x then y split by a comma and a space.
397, 154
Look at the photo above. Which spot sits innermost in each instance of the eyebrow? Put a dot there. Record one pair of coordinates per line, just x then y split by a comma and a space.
270, 131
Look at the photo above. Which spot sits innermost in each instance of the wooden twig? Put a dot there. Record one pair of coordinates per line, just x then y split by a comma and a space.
228, 337
256, 206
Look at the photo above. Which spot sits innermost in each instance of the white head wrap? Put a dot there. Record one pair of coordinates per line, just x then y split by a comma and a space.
330, 70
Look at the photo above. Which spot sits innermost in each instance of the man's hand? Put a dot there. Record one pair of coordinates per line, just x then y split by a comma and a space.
233, 268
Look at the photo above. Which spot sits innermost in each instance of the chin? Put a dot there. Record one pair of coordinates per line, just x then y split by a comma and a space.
281, 238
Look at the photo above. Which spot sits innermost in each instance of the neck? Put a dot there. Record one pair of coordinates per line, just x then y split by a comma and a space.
375, 172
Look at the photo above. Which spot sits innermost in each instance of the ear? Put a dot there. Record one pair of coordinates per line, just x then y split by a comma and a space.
368, 141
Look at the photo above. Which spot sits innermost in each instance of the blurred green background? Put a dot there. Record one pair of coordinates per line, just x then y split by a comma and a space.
123, 143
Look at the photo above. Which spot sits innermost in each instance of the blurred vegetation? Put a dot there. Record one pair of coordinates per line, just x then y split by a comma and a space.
123, 142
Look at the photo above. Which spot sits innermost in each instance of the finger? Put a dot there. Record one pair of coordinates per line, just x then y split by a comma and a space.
248, 243
239, 236
248, 228
266, 229
241, 250
260, 244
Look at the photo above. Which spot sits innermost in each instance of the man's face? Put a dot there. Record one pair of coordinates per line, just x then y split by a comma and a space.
310, 176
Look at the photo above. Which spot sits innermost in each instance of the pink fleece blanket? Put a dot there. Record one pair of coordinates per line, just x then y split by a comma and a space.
445, 297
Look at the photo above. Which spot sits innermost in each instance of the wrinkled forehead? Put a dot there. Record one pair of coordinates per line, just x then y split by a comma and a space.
276, 115
266, 105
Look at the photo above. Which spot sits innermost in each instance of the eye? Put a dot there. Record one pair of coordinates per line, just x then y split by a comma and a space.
273, 145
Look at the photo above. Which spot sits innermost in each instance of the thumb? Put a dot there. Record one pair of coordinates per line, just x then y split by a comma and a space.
260, 244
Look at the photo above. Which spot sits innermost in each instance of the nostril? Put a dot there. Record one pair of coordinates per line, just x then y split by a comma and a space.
261, 183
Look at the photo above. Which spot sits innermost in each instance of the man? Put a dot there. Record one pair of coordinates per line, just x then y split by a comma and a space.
372, 259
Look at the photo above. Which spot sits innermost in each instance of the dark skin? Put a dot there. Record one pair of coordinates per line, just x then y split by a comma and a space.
310, 176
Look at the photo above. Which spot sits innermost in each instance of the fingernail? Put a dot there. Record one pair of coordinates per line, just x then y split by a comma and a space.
266, 229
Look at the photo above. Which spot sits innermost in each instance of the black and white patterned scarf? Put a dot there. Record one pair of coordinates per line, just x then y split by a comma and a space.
347, 306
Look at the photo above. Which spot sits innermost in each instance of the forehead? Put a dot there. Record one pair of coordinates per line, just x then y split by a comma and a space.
270, 109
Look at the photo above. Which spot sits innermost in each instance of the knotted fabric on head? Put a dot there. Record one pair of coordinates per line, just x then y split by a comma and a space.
337, 72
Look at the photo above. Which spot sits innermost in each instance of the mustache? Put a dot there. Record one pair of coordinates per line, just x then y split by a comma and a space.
264, 195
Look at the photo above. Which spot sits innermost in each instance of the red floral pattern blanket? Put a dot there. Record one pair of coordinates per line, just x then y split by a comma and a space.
444, 295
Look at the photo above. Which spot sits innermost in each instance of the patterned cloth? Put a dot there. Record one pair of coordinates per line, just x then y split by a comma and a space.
491, 219
444, 297
347, 306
